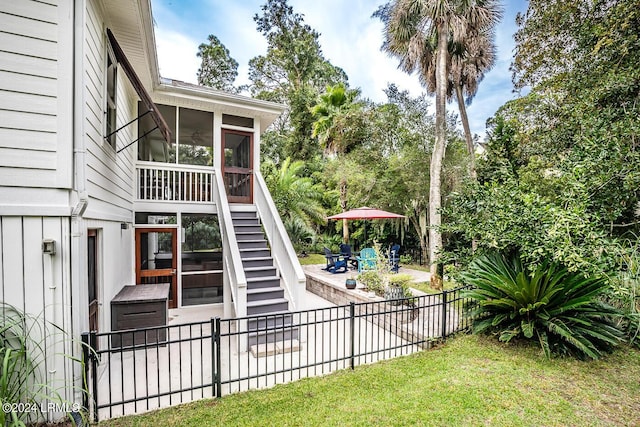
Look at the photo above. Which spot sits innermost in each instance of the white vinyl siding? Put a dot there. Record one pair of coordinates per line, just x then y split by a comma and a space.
109, 174
36, 47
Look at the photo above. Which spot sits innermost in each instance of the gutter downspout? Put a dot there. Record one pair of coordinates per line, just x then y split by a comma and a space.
79, 197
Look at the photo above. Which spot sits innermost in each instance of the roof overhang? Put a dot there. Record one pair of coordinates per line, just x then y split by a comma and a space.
226, 102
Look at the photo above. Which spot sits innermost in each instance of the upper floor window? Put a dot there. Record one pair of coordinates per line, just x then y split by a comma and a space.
111, 91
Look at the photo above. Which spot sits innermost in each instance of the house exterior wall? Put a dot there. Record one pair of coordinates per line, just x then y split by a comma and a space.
36, 41
52, 78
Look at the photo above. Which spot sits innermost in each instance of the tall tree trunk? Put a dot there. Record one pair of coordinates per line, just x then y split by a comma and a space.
435, 197
467, 132
343, 205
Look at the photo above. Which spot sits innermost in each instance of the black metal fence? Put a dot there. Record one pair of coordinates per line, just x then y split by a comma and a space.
138, 370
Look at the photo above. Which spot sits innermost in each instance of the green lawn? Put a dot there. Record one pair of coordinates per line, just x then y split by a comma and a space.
469, 381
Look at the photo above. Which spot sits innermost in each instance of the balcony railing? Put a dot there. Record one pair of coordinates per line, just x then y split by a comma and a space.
173, 183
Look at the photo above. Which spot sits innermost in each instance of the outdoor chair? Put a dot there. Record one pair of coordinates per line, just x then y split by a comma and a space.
335, 262
394, 258
345, 251
367, 260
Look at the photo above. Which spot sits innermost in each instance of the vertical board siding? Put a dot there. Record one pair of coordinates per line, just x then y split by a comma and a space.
35, 92
39, 285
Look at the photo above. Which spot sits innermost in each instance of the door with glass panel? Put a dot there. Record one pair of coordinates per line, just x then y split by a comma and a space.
201, 254
156, 259
237, 165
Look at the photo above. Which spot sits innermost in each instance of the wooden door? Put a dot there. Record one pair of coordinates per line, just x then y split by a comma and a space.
237, 165
156, 259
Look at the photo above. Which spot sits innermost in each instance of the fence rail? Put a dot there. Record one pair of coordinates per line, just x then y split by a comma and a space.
163, 366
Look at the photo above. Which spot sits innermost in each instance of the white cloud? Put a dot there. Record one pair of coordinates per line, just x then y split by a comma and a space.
350, 39
177, 55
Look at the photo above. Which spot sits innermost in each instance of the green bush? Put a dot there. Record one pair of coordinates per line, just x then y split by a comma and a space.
373, 281
561, 309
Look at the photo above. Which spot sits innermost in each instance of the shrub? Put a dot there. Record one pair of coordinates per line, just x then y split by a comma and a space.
22, 365
561, 309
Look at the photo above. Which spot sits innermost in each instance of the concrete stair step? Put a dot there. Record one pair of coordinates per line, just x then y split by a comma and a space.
266, 261
267, 306
240, 222
254, 253
273, 348
243, 214
252, 244
264, 294
261, 271
263, 282
242, 236
271, 320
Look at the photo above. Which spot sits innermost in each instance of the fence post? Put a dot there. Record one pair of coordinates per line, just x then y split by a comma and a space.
444, 315
352, 318
91, 349
216, 366
85, 366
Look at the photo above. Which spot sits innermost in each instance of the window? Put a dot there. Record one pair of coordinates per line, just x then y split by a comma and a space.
192, 144
110, 110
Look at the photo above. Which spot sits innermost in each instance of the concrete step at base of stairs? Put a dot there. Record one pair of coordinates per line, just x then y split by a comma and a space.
274, 336
263, 294
270, 349
267, 306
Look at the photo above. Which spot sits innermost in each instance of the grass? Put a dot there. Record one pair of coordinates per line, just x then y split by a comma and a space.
470, 380
312, 259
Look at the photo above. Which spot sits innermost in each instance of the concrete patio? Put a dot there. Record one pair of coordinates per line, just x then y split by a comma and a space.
180, 369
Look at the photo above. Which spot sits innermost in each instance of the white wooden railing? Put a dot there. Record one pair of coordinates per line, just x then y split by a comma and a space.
284, 255
231, 253
173, 183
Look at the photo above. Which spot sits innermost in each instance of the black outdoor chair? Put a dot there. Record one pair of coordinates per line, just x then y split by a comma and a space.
335, 262
345, 251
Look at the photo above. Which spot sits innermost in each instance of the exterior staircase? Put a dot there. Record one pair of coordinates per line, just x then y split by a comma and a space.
265, 297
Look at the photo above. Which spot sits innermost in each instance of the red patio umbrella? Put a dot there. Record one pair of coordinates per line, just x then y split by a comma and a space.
366, 213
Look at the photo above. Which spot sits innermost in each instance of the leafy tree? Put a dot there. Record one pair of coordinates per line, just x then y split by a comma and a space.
294, 196
293, 71
218, 69
418, 33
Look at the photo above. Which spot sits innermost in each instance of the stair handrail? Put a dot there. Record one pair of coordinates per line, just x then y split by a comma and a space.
230, 249
284, 255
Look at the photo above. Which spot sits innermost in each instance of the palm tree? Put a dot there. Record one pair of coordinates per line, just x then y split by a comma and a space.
294, 196
419, 33
338, 125
469, 64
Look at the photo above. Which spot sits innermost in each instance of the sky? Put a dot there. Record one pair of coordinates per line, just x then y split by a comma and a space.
350, 39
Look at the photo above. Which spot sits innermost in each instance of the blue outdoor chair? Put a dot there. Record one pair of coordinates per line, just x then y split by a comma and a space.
335, 262
345, 251
367, 260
